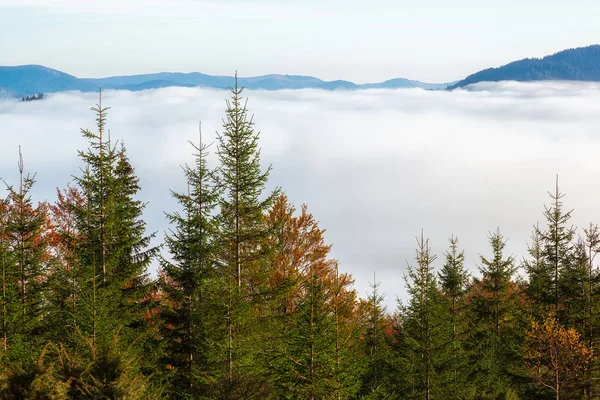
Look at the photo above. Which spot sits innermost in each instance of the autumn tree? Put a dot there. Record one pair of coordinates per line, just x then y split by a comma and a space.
24, 270
556, 356
63, 279
310, 338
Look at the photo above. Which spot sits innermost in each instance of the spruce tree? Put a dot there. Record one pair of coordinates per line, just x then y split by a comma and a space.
191, 312
376, 380
494, 342
25, 270
242, 237
557, 254
422, 325
114, 296
454, 280
592, 328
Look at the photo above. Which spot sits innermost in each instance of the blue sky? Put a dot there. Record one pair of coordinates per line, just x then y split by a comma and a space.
428, 40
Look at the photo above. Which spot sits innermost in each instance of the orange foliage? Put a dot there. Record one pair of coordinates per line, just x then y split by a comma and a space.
555, 355
302, 252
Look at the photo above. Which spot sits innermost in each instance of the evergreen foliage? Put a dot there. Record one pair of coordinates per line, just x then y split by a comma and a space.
249, 303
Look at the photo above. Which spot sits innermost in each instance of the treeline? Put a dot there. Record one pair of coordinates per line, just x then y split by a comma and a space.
248, 304
37, 96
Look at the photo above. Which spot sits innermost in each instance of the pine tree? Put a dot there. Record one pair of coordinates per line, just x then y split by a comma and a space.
592, 328
454, 279
26, 269
243, 236
422, 325
191, 312
114, 295
494, 343
376, 380
557, 250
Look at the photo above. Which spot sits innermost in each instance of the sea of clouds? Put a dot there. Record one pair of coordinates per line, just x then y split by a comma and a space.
374, 166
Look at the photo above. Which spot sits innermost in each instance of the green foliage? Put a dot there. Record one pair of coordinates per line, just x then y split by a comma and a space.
191, 312
243, 259
496, 331
249, 304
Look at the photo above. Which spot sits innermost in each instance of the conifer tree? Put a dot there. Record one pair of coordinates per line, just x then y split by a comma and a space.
494, 343
454, 279
243, 236
114, 297
422, 325
557, 254
191, 312
592, 330
25, 270
376, 378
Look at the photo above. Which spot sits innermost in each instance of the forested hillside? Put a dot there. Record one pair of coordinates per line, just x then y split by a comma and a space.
249, 304
580, 64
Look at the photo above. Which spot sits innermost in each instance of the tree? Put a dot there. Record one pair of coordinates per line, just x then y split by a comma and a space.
24, 270
454, 279
191, 313
556, 356
421, 323
242, 236
557, 250
310, 337
494, 341
114, 295
376, 350
63, 279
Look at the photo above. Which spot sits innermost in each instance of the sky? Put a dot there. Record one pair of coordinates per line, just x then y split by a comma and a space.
375, 167
429, 40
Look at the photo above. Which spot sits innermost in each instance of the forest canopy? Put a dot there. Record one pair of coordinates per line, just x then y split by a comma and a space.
249, 304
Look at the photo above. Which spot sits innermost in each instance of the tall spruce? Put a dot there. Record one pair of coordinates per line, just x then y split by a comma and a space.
189, 282
243, 237
422, 325
557, 252
376, 354
25, 269
591, 332
114, 294
454, 280
494, 342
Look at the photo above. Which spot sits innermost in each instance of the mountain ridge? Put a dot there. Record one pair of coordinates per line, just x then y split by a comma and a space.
22, 80
574, 64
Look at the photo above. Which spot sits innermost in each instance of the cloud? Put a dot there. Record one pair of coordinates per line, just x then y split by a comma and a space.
175, 8
375, 167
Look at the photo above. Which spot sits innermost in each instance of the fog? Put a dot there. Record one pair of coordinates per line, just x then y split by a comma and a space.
374, 167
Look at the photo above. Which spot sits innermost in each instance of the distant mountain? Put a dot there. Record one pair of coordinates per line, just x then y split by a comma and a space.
29, 79
580, 64
402, 83
25, 80
339, 85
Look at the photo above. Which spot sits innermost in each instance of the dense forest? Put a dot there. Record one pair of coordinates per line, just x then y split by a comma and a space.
579, 64
248, 303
